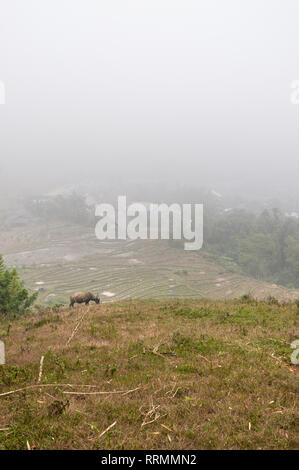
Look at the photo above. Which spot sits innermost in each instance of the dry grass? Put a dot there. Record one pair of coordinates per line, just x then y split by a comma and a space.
177, 374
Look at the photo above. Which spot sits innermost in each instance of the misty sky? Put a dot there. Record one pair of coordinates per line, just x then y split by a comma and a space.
161, 89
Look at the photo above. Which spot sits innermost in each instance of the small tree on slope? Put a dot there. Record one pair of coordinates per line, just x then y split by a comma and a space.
14, 298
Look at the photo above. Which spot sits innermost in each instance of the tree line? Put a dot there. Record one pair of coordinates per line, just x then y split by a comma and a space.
264, 246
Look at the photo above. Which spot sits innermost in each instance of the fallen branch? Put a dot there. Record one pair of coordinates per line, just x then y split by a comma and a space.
108, 429
150, 412
29, 387
114, 392
166, 427
203, 357
130, 391
158, 416
40, 369
176, 392
155, 351
77, 326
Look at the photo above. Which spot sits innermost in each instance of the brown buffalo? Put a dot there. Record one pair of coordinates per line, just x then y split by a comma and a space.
83, 297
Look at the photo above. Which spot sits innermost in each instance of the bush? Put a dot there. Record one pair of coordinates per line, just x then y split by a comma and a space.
14, 298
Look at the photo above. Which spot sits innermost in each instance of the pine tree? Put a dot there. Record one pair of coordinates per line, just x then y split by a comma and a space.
14, 297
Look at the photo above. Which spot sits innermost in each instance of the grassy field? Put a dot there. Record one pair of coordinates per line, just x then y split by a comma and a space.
151, 374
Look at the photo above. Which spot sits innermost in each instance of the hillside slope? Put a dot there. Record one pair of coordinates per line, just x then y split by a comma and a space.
60, 259
176, 374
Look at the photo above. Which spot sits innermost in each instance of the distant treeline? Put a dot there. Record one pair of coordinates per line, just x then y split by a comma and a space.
265, 246
67, 208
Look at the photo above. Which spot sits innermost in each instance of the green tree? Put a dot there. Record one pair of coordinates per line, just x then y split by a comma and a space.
257, 255
14, 298
292, 257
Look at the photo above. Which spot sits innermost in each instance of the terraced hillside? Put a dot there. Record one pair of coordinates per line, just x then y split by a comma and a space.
180, 374
59, 260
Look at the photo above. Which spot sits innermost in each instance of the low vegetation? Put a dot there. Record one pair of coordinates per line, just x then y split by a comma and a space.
14, 298
264, 246
176, 374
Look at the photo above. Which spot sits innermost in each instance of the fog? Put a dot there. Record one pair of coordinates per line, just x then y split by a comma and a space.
196, 92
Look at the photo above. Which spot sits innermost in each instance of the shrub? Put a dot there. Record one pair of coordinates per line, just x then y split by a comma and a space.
14, 298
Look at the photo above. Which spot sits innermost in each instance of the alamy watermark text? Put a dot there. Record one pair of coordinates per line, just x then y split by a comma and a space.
153, 221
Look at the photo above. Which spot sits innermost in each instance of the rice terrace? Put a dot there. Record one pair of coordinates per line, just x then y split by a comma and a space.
59, 259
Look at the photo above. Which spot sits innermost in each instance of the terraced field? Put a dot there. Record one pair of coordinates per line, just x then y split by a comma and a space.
58, 260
